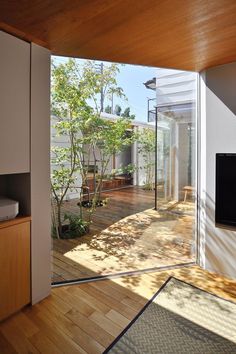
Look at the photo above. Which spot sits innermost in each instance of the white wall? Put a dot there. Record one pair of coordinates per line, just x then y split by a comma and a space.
218, 135
176, 97
63, 141
40, 173
183, 158
139, 176
25, 146
14, 104
124, 158
175, 86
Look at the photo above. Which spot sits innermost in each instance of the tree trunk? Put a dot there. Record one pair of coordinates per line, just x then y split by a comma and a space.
59, 222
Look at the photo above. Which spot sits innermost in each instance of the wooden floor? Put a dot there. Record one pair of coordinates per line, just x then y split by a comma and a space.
121, 203
126, 235
86, 318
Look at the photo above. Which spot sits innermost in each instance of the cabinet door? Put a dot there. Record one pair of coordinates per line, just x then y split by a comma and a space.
15, 268
14, 104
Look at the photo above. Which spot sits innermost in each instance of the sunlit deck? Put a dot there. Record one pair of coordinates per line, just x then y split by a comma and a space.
127, 235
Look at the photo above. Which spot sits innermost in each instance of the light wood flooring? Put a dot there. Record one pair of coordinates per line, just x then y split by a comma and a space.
86, 318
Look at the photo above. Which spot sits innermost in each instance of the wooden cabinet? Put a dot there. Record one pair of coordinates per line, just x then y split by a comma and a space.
14, 265
14, 105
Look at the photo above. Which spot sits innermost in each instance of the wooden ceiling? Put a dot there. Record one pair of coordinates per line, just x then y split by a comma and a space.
184, 34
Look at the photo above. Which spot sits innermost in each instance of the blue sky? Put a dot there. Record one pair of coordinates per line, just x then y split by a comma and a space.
131, 79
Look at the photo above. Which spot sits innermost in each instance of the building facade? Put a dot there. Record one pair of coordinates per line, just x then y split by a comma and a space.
176, 115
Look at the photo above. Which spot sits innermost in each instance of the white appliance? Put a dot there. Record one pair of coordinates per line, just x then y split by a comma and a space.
9, 209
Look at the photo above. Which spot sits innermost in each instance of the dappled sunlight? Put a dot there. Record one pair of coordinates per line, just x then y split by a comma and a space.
200, 307
186, 208
195, 320
140, 241
121, 203
101, 310
147, 284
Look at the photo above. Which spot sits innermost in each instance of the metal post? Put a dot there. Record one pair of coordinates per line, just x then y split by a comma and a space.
156, 158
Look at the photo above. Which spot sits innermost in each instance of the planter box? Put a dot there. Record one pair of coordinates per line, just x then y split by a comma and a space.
109, 183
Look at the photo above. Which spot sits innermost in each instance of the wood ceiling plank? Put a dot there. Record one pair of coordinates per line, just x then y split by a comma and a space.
190, 35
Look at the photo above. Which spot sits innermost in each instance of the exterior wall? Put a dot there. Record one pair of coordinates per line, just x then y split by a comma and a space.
130, 155
124, 158
92, 161
183, 159
63, 141
218, 127
134, 158
139, 162
175, 86
137, 159
176, 96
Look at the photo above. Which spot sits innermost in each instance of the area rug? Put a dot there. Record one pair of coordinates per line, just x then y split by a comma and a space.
180, 319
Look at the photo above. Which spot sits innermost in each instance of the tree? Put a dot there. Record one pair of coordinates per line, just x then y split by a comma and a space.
99, 82
108, 109
109, 138
69, 105
146, 148
118, 110
115, 91
127, 114
74, 87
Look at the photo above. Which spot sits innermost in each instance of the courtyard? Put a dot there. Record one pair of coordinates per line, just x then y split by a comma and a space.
127, 235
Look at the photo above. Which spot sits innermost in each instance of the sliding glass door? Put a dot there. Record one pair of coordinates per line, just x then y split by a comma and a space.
176, 157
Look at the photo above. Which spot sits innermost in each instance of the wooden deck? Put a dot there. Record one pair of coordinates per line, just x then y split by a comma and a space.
85, 318
126, 235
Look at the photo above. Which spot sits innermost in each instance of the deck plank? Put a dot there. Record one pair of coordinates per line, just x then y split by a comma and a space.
122, 240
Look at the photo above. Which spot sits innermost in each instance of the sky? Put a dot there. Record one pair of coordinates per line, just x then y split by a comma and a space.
131, 79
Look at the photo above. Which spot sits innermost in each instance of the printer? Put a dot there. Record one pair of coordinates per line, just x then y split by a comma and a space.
9, 209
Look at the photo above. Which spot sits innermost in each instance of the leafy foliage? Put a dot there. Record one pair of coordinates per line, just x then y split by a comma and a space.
76, 226
99, 83
146, 148
124, 114
127, 114
118, 110
108, 109
76, 105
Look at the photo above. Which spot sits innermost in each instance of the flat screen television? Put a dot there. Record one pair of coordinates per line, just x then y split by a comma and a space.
225, 210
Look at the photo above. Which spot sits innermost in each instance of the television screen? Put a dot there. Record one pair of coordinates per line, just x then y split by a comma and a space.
225, 212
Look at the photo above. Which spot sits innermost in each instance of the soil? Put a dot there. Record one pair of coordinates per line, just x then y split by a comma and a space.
88, 204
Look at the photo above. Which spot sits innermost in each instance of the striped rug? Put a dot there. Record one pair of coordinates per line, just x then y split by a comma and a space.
180, 319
